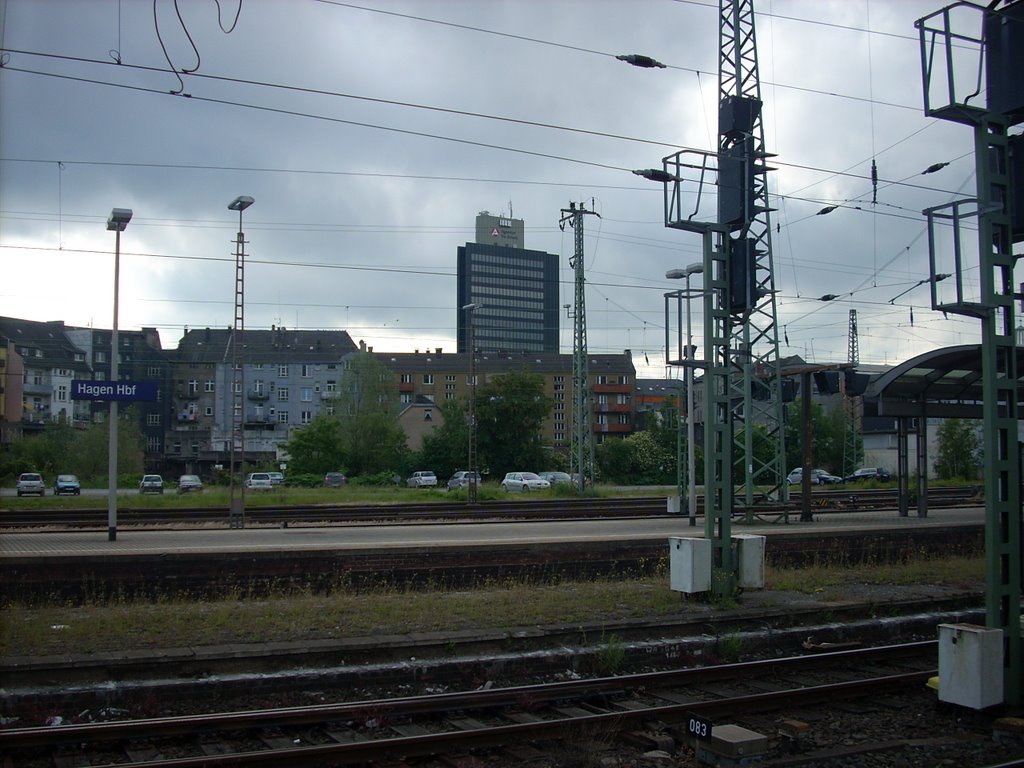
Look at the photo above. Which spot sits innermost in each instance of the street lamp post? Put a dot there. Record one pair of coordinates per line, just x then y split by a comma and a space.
237, 506
118, 221
470, 309
691, 461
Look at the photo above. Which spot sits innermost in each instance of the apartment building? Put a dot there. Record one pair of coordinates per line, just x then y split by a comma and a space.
290, 377
49, 362
432, 376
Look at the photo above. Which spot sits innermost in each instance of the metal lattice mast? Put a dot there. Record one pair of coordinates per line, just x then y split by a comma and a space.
851, 449
581, 439
994, 212
236, 509
754, 342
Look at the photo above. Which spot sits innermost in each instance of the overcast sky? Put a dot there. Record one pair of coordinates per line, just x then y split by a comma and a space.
349, 126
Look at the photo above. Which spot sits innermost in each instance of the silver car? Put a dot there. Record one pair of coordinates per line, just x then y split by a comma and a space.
31, 482
422, 479
515, 482
462, 479
189, 483
151, 484
259, 481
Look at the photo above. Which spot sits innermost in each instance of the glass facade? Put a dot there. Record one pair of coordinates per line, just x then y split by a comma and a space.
517, 291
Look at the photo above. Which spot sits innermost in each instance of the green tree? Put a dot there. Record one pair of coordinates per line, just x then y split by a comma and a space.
828, 436
958, 450
86, 452
615, 460
446, 447
372, 439
317, 447
510, 413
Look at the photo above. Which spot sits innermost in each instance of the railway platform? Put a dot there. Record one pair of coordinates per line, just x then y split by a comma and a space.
197, 558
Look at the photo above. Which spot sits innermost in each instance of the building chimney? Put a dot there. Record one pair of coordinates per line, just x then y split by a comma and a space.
438, 350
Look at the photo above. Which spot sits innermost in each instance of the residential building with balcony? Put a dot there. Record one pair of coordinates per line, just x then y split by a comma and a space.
49, 362
433, 377
289, 378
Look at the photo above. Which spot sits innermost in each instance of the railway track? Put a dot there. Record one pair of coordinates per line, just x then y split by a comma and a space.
506, 723
846, 500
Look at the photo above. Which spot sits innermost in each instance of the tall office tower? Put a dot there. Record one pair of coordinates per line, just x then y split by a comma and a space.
515, 290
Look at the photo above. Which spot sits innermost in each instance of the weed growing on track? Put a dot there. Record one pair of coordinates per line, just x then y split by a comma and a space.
288, 613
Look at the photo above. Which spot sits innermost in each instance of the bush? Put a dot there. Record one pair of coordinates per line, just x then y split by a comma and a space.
380, 479
304, 480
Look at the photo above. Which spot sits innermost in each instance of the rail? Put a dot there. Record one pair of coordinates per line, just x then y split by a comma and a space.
842, 500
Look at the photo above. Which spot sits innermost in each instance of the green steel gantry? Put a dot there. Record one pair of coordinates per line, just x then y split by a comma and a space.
996, 212
581, 440
743, 415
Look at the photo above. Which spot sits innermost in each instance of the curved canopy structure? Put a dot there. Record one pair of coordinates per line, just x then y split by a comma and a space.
944, 383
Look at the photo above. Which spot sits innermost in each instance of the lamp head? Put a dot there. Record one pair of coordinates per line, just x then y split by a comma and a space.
119, 218
240, 203
679, 274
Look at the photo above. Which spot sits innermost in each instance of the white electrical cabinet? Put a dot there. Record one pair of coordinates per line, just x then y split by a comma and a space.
970, 665
750, 560
689, 564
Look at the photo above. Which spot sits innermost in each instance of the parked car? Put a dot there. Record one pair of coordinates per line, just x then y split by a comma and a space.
276, 478
67, 484
151, 484
870, 473
462, 478
31, 482
422, 479
523, 481
189, 483
796, 477
557, 477
334, 480
827, 478
259, 481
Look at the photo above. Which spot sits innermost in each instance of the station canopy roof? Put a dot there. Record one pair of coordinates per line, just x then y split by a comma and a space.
944, 383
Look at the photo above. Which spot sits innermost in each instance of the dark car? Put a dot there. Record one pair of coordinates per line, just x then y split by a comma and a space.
334, 480
870, 473
66, 484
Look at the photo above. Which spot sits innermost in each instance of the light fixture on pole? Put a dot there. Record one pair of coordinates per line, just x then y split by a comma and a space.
118, 221
469, 309
237, 506
691, 461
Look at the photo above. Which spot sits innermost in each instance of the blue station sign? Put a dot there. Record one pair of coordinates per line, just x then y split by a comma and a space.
82, 389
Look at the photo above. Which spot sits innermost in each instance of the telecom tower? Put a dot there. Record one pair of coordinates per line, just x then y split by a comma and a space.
951, 92
851, 449
743, 397
581, 440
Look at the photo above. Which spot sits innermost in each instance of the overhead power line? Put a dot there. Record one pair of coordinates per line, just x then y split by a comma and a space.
408, 105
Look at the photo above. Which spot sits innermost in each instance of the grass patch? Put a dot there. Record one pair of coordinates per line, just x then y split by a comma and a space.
964, 572
123, 625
